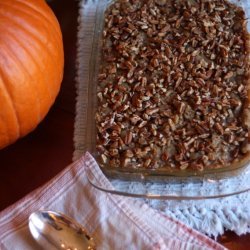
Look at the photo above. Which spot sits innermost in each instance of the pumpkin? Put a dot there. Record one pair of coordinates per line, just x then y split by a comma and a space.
31, 66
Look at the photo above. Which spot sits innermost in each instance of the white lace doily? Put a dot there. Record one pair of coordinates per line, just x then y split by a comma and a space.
208, 216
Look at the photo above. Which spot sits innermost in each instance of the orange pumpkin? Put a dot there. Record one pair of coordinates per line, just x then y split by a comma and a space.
31, 66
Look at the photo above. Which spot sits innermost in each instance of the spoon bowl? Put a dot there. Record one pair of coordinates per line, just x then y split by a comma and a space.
54, 230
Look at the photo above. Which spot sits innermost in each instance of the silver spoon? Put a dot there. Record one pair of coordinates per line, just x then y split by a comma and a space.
53, 230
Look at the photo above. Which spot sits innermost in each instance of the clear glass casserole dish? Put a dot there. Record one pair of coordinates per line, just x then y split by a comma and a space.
151, 183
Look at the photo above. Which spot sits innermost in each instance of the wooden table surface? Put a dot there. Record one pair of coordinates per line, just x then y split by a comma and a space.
38, 157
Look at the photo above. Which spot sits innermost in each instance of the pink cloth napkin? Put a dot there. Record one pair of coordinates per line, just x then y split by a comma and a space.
114, 221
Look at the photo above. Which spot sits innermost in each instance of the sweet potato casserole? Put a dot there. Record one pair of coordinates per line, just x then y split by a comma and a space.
173, 85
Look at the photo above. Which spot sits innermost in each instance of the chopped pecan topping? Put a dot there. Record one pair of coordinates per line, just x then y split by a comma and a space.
173, 84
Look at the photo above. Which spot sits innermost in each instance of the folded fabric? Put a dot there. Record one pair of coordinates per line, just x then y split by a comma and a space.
114, 221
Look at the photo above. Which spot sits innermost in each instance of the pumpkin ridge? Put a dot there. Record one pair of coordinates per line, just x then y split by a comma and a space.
58, 37
11, 102
21, 65
14, 22
27, 5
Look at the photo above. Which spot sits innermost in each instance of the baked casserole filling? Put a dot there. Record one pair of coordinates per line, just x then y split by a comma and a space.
173, 85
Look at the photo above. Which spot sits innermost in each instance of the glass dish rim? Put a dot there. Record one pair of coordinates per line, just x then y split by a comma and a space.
165, 196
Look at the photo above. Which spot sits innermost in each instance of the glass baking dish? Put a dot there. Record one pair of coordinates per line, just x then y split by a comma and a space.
123, 178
